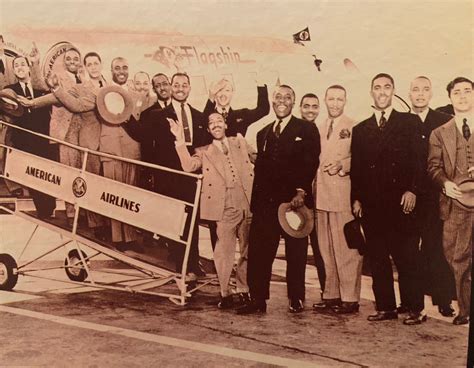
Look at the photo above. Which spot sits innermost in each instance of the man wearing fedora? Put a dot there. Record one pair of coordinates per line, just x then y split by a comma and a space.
451, 167
386, 168
225, 198
438, 278
333, 187
287, 159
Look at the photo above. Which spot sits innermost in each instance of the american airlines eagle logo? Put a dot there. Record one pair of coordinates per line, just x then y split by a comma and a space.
79, 187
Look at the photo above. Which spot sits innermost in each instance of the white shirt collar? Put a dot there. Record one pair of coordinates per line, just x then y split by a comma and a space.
422, 115
284, 122
219, 109
218, 143
22, 84
378, 114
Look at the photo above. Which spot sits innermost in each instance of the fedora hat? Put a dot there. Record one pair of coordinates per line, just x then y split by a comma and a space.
115, 104
354, 234
9, 103
297, 223
467, 188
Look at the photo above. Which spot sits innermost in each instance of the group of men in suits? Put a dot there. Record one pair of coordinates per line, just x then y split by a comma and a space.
386, 170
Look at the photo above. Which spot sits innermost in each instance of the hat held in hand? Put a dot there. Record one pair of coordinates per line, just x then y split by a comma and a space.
297, 223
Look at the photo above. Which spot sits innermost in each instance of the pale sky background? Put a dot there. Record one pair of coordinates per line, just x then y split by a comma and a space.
404, 38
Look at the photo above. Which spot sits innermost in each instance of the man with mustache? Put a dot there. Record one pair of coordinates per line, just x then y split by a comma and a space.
287, 159
225, 198
386, 169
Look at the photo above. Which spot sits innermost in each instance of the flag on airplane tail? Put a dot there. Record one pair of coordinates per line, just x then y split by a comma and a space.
302, 36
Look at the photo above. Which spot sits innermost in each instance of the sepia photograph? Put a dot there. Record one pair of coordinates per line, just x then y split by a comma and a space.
236, 183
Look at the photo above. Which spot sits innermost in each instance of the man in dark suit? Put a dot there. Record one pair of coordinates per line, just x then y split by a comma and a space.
154, 126
162, 87
438, 278
287, 159
385, 179
237, 121
36, 120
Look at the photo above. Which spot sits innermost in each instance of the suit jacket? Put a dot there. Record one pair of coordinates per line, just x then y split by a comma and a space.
212, 162
297, 159
442, 162
333, 192
36, 120
153, 126
239, 120
434, 119
148, 146
385, 164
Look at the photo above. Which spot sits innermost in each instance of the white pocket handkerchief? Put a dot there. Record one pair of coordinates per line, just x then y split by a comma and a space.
298, 139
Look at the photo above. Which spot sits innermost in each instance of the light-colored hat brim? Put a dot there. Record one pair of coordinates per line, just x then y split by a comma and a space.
304, 215
115, 104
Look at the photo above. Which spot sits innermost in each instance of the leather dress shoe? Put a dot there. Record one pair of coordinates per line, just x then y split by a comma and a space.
253, 307
346, 308
326, 304
401, 309
460, 320
415, 318
446, 310
226, 302
244, 299
296, 306
383, 316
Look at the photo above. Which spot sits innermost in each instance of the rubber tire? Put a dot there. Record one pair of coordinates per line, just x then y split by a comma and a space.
10, 264
73, 257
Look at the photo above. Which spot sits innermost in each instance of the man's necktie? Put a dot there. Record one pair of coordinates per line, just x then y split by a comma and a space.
27, 92
383, 121
225, 150
224, 114
278, 128
101, 84
184, 120
2, 67
330, 129
78, 81
466, 132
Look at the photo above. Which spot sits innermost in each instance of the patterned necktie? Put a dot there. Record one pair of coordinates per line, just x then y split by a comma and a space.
184, 120
225, 150
28, 92
330, 129
382, 121
466, 132
278, 128
78, 81
224, 114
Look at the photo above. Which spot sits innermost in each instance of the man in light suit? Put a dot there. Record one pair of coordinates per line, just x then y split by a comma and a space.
287, 159
386, 170
225, 199
333, 188
154, 126
237, 120
439, 279
450, 161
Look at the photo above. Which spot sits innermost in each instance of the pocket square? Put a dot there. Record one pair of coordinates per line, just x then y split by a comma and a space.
298, 139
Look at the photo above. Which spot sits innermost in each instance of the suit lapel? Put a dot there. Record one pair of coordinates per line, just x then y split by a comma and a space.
216, 158
263, 136
287, 137
448, 132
